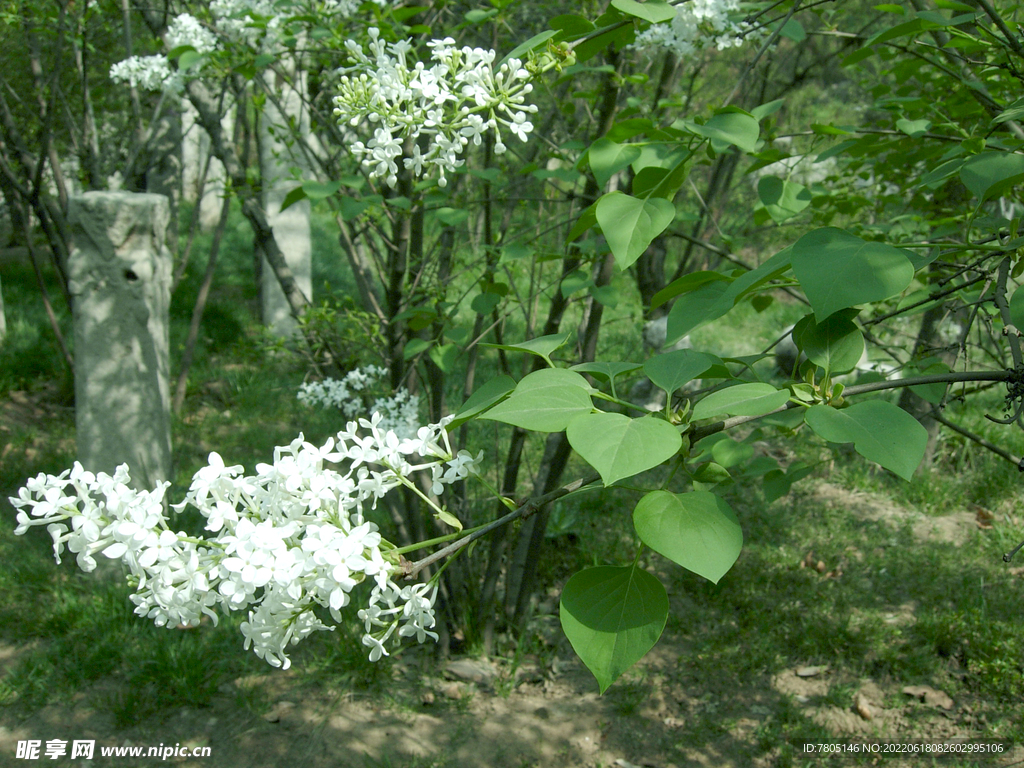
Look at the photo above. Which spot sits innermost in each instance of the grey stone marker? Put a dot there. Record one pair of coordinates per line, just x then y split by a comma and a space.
291, 226
164, 176
195, 148
119, 275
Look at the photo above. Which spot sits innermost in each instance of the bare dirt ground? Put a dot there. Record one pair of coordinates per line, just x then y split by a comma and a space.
438, 717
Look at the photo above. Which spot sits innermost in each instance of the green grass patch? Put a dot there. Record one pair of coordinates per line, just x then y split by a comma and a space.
887, 605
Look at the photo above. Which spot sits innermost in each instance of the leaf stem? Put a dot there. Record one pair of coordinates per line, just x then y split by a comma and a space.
528, 508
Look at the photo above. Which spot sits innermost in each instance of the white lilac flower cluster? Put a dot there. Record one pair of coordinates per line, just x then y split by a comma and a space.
697, 24
399, 412
259, 21
154, 73
344, 8
185, 29
151, 73
236, 20
449, 104
255, 23
288, 539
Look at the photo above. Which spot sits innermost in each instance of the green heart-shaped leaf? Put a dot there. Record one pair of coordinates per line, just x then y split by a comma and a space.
444, 356
839, 270
619, 447
879, 431
542, 346
835, 345
736, 128
696, 530
613, 616
545, 401
783, 199
672, 370
489, 394
607, 158
606, 371
1017, 308
630, 224
318, 190
654, 11
991, 173
741, 400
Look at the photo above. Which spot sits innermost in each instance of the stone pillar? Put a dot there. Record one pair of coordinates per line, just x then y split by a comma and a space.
282, 129
195, 148
164, 175
119, 273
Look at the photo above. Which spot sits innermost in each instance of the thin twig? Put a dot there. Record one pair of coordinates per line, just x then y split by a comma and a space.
1009, 555
68, 360
975, 438
1011, 38
408, 570
927, 300
1004, 310
761, 52
197, 312
701, 432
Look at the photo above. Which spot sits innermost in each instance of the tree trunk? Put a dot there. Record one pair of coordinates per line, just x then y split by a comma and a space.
930, 343
278, 154
163, 169
3, 316
209, 118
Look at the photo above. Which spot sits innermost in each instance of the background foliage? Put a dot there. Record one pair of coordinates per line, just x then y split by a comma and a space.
849, 173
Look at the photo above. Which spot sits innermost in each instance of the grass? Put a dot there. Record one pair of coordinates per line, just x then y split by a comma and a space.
29, 352
770, 614
80, 629
77, 633
904, 609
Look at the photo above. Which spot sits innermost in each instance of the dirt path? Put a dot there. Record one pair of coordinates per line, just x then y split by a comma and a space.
430, 718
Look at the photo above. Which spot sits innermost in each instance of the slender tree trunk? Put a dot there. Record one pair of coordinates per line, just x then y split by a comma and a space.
252, 209
3, 316
394, 292
50, 314
16, 208
285, 110
89, 153
355, 252
47, 107
197, 311
519, 574
929, 344
29, 190
496, 552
